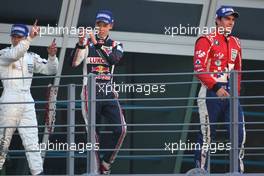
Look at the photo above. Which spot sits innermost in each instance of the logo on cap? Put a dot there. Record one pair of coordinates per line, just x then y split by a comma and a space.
228, 9
102, 15
19, 29
224, 11
105, 16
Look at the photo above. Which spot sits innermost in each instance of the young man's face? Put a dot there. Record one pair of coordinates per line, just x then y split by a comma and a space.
15, 39
103, 28
227, 23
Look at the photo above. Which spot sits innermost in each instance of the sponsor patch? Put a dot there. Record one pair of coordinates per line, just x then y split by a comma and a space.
233, 54
107, 49
219, 55
216, 42
30, 68
198, 62
200, 54
103, 77
96, 60
100, 69
218, 63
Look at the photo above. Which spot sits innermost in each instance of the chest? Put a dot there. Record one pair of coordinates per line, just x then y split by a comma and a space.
223, 52
107, 47
24, 66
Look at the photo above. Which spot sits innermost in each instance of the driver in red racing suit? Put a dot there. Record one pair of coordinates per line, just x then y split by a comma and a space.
217, 52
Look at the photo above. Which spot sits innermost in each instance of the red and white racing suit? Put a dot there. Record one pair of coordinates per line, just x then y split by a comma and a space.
216, 53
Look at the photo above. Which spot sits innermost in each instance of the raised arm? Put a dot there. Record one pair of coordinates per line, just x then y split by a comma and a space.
47, 67
10, 55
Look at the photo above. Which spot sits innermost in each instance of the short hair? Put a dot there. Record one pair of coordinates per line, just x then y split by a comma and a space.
216, 19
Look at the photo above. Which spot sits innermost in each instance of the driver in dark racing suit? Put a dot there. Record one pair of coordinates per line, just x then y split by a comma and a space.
99, 54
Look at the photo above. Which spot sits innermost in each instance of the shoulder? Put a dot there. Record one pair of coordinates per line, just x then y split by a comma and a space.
36, 57
32, 54
236, 40
5, 50
113, 43
118, 45
210, 38
204, 40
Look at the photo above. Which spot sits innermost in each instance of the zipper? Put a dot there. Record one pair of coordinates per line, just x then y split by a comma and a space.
22, 70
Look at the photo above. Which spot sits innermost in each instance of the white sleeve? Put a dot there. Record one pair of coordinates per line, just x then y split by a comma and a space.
9, 55
79, 56
44, 66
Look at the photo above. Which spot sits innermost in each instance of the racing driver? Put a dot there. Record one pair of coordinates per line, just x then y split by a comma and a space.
99, 54
217, 52
17, 63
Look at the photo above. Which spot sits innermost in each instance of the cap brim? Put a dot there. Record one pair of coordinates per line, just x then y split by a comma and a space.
103, 20
235, 14
18, 34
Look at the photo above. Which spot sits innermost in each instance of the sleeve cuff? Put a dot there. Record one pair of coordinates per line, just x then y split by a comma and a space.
29, 39
79, 46
216, 87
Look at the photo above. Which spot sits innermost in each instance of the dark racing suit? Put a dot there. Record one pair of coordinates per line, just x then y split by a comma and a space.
100, 60
216, 53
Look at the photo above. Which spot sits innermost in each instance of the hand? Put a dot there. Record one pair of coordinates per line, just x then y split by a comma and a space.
52, 49
93, 39
34, 30
82, 38
222, 93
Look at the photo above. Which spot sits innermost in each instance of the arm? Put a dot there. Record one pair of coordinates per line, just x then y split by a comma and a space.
79, 54
201, 59
11, 55
112, 57
7, 56
80, 51
43, 66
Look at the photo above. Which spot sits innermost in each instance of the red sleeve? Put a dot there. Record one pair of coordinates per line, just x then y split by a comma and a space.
200, 61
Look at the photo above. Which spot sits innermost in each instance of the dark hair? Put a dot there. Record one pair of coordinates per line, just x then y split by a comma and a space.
216, 19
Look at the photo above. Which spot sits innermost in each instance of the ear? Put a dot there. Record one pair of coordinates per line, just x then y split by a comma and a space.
111, 26
217, 21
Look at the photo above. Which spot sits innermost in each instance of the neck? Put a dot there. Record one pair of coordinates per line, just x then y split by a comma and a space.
101, 36
221, 31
